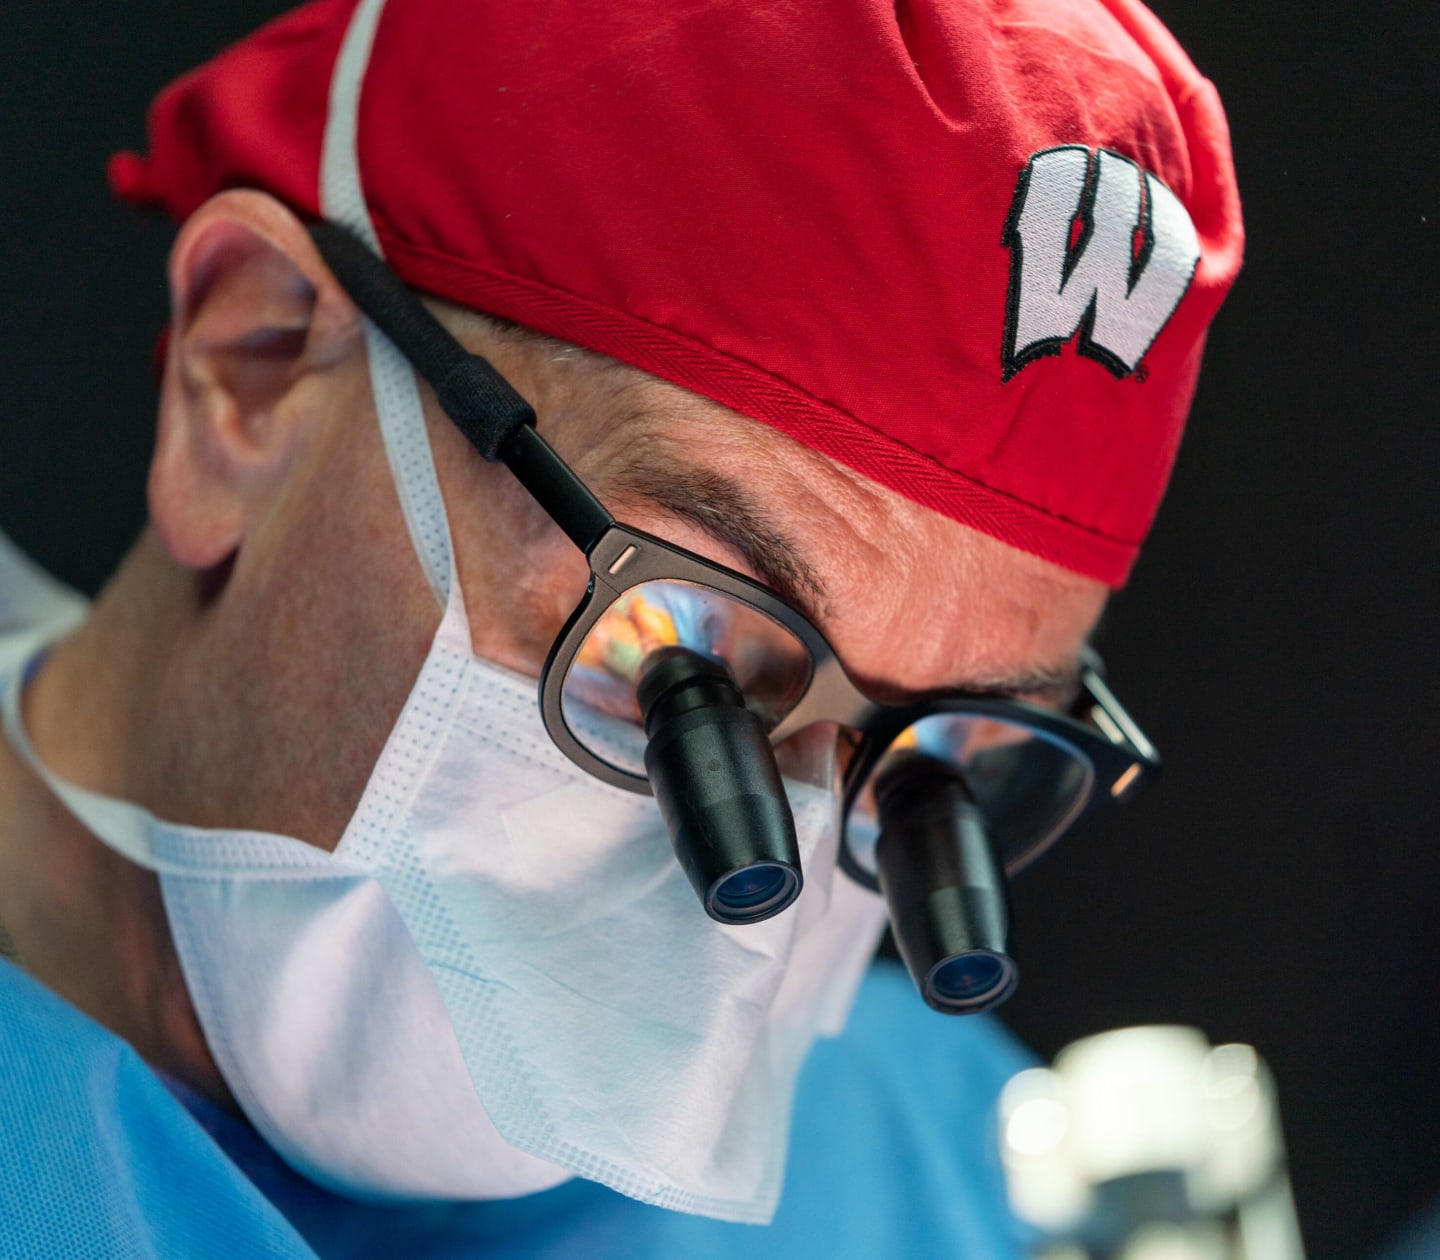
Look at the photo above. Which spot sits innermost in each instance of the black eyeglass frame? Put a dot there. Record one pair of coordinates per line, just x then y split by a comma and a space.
1120, 757
500, 425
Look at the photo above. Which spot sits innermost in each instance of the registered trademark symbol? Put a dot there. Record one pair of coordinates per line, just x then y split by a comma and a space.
1141, 374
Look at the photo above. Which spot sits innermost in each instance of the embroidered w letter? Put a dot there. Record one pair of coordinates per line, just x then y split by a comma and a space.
1096, 246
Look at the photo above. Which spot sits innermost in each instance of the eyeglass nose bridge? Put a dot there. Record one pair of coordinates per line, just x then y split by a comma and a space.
830, 696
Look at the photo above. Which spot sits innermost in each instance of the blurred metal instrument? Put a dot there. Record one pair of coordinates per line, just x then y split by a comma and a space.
1149, 1144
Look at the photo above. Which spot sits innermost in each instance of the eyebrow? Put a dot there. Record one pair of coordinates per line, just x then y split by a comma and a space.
725, 510
1058, 686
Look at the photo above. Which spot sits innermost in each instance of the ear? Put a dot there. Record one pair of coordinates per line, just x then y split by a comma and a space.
254, 314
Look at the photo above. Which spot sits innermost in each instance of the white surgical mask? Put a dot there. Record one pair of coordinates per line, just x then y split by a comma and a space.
501, 976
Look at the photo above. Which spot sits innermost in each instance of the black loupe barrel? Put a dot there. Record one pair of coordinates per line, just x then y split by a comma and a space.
714, 775
945, 887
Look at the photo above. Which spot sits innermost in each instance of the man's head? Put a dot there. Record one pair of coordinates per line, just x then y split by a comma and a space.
823, 221
270, 483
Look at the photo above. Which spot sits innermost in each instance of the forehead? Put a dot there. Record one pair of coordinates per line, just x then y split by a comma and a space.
910, 599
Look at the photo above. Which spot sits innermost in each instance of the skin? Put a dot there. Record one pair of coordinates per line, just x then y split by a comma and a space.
247, 661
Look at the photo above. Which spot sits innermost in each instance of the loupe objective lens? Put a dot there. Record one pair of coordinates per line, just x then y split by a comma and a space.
944, 886
969, 979
714, 776
753, 891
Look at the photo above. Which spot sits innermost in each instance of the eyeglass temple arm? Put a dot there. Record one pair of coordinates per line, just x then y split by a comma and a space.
484, 406
1111, 713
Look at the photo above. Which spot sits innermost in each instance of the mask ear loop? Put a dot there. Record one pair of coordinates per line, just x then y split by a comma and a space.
392, 379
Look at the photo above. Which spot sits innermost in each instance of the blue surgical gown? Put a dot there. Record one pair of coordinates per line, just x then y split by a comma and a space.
892, 1155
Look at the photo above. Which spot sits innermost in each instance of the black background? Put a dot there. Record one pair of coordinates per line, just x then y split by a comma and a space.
1278, 640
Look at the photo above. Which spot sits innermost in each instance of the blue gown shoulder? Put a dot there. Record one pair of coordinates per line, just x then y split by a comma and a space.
98, 1159
893, 1154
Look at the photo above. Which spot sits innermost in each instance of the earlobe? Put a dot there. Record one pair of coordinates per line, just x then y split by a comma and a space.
254, 314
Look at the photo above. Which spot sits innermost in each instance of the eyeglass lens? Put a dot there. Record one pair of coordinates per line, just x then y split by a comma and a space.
1028, 783
599, 704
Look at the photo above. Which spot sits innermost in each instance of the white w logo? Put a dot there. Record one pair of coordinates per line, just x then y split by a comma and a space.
1096, 245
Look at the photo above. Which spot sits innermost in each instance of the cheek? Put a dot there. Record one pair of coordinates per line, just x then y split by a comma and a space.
282, 703
518, 608
521, 577
348, 620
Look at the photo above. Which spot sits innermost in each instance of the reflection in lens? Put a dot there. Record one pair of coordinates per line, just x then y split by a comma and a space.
968, 977
1028, 783
771, 666
753, 889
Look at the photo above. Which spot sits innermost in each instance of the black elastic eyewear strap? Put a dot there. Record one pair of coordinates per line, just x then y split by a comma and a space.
495, 419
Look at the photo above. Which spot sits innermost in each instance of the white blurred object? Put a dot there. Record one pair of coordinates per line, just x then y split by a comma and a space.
1149, 1144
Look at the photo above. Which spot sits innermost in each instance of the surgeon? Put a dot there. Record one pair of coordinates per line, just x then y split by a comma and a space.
632, 487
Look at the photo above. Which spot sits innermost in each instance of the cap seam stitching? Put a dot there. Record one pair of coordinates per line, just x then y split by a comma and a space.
391, 241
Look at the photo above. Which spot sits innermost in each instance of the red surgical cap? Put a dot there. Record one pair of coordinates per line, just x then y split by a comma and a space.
968, 249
